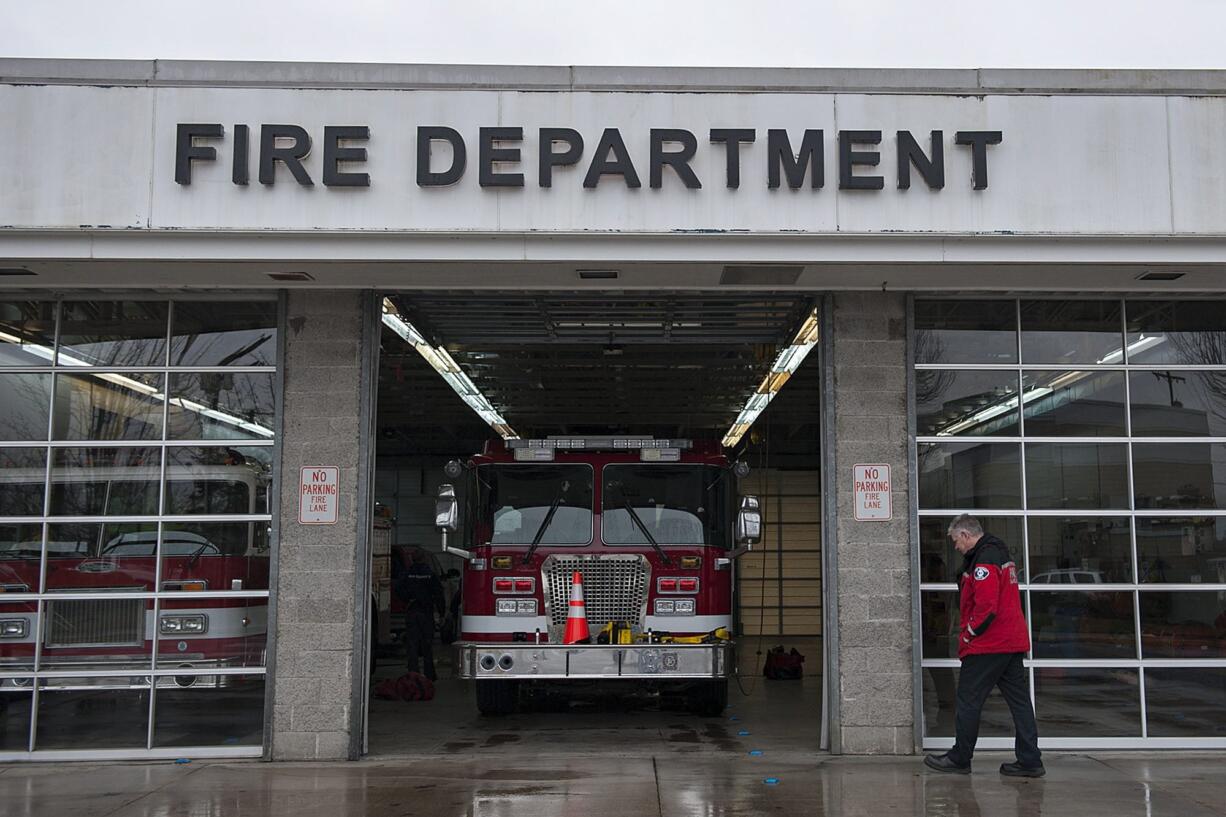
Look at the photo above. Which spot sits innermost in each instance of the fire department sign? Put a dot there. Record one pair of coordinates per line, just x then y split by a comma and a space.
319, 495
871, 484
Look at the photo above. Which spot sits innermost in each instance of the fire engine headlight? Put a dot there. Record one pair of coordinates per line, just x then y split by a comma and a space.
13, 628
674, 607
194, 624
516, 607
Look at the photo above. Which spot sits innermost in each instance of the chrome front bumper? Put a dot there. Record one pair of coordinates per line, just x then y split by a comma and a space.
637, 661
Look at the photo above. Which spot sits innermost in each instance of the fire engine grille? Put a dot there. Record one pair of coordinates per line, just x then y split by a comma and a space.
95, 622
614, 589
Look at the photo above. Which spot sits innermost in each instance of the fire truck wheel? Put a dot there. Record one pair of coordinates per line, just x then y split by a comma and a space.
709, 698
497, 697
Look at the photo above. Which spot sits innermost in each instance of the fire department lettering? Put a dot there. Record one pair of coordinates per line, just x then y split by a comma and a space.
981, 573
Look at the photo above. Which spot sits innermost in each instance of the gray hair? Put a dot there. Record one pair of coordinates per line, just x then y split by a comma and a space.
965, 522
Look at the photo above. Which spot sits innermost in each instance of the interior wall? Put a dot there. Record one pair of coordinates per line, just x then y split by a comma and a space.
780, 580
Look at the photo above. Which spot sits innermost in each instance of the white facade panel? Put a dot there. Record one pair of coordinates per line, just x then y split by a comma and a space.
75, 157
1198, 163
1067, 165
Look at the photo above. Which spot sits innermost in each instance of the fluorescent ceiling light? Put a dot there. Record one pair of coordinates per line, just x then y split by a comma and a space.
46, 353
443, 363
784, 366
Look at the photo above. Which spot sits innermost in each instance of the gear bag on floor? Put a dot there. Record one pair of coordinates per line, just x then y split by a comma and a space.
784, 665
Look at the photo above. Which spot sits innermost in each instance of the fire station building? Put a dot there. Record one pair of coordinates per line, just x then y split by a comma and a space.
250, 311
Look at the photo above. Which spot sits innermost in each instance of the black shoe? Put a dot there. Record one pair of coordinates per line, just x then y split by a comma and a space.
942, 763
1018, 770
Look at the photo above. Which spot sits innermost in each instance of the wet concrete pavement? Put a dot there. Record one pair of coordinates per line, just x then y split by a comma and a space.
710, 783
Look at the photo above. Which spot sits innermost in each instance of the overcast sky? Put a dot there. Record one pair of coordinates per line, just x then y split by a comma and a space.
864, 33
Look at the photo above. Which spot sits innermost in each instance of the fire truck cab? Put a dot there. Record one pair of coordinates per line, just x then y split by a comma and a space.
653, 526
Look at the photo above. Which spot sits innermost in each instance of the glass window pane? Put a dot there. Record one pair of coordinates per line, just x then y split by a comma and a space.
1186, 702
1177, 332
23, 479
15, 700
18, 634
221, 555
25, 403
969, 475
940, 703
1072, 331
90, 555
234, 633
113, 333
108, 407
21, 548
105, 481
1082, 624
94, 713
1179, 475
1074, 404
223, 333
1188, 549
1080, 549
1183, 624
217, 480
1077, 475
939, 617
228, 713
99, 634
27, 333
940, 562
1178, 403
1087, 702
965, 332
221, 406
966, 403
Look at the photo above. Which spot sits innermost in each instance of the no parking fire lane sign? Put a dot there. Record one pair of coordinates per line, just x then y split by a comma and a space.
871, 483
319, 495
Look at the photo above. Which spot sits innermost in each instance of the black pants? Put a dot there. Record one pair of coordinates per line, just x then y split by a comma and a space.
419, 642
979, 674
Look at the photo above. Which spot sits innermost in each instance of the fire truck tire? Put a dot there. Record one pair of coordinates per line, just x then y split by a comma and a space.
709, 698
497, 697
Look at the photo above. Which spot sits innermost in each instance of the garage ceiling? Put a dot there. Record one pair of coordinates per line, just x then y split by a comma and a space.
665, 363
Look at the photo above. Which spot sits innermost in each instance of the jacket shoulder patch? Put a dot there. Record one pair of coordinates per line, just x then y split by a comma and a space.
981, 573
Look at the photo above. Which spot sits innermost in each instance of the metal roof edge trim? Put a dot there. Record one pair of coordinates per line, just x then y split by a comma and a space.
378, 76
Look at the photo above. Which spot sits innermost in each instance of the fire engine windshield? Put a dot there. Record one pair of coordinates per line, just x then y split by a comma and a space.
676, 504
519, 503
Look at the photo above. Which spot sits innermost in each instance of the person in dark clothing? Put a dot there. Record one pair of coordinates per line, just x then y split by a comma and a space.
992, 643
422, 593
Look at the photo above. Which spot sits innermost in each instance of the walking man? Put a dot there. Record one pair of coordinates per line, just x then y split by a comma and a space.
992, 642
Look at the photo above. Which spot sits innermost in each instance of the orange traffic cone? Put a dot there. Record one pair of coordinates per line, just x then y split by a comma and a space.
576, 619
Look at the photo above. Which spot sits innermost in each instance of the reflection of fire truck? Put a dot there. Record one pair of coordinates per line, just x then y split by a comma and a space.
93, 621
652, 526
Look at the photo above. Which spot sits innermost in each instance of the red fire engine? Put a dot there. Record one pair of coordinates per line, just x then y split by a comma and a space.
94, 618
653, 527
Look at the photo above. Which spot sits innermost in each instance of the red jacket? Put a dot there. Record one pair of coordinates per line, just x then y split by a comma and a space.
990, 602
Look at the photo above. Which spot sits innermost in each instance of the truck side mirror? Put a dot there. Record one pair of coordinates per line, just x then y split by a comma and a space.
446, 509
749, 522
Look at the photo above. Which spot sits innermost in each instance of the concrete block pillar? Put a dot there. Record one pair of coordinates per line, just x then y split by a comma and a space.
318, 566
868, 347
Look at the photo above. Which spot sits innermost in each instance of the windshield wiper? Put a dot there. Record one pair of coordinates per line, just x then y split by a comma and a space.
638, 523
540, 531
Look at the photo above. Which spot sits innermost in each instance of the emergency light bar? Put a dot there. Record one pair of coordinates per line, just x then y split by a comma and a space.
600, 443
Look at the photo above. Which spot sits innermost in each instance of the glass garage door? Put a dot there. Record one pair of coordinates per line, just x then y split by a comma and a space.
1090, 435
136, 469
